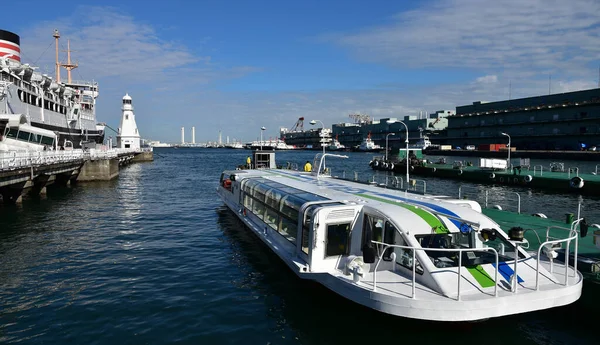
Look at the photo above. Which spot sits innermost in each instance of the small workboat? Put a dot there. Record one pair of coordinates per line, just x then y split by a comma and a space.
409, 255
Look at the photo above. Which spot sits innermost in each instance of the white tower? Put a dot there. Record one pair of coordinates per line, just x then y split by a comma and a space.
128, 137
193, 135
182, 135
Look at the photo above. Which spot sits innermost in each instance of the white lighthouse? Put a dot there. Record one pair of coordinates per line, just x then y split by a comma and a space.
128, 137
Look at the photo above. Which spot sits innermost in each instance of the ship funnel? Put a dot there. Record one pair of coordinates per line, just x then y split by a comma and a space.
10, 45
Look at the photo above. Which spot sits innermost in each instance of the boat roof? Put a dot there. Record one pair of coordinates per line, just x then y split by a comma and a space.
406, 208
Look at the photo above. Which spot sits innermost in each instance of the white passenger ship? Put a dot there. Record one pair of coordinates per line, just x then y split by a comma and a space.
65, 107
415, 256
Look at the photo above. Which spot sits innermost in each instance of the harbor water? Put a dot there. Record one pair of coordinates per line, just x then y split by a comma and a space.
153, 257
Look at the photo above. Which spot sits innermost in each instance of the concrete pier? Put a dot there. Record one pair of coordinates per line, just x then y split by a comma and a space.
146, 156
99, 170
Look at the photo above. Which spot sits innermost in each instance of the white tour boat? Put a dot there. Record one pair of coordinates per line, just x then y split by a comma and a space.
410, 255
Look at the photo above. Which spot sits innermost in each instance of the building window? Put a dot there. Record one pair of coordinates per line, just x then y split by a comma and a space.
532, 119
482, 134
530, 129
555, 117
583, 114
500, 121
126, 116
483, 122
555, 131
582, 130
466, 123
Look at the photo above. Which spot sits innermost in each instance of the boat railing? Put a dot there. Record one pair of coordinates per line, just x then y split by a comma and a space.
321, 169
385, 246
549, 246
538, 167
491, 197
416, 183
574, 170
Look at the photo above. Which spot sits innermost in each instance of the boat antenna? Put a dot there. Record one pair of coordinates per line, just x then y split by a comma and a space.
549, 83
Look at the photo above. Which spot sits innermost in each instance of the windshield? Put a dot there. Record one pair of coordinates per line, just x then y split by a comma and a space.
506, 251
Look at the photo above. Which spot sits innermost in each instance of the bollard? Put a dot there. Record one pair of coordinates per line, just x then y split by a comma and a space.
569, 218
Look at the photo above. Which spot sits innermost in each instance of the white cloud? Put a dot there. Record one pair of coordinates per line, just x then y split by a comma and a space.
115, 47
514, 37
488, 79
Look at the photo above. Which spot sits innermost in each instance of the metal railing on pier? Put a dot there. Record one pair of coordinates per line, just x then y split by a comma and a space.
12, 160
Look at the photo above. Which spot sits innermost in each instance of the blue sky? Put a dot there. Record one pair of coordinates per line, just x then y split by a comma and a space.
238, 65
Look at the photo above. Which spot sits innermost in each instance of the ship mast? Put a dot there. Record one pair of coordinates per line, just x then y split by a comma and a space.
68, 66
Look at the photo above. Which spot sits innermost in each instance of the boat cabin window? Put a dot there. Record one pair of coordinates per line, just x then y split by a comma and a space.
22, 135
47, 141
506, 251
337, 241
12, 133
306, 226
276, 204
377, 229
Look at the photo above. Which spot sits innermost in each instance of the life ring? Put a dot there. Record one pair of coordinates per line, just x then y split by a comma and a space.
385, 165
412, 167
492, 175
460, 171
433, 169
376, 163
528, 178
539, 215
371, 163
391, 166
516, 180
576, 182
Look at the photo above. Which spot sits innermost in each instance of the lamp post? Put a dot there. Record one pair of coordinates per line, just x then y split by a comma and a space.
386, 144
321, 135
406, 157
508, 146
261, 140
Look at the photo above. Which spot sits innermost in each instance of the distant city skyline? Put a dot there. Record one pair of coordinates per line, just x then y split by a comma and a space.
236, 66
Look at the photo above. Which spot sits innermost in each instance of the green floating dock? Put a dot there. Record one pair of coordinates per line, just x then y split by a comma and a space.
588, 261
587, 184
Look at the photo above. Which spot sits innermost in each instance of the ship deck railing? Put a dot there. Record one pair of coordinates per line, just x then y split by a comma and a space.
374, 284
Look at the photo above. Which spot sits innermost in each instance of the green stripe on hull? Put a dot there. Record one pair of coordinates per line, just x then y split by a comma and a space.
432, 220
481, 276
